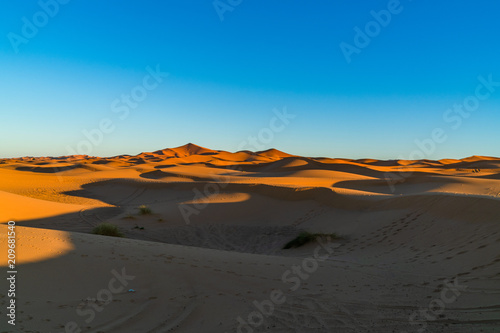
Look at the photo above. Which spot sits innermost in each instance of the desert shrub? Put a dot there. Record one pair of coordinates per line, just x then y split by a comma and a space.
307, 237
144, 210
107, 229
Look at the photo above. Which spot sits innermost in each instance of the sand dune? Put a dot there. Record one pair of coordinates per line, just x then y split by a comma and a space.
413, 235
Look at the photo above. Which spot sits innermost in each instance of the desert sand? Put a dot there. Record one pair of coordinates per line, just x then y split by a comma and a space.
417, 246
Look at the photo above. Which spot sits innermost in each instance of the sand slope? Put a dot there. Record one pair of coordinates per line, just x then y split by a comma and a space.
414, 235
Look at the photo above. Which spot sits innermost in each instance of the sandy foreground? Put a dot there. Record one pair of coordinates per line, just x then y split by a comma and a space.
418, 247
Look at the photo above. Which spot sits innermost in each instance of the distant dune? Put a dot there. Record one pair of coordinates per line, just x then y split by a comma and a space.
210, 253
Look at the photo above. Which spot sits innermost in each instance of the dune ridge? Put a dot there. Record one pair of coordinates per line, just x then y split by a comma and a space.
212, 244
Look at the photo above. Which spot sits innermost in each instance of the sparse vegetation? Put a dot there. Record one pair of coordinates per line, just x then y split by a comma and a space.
129, 216
107, 229
307, 237
145, 210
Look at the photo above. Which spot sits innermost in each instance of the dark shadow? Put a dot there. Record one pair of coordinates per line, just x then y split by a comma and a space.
493, 176
102, 161
210, 153
48, 169
136, 161
280, 168
388, 186
82, 221
159, 174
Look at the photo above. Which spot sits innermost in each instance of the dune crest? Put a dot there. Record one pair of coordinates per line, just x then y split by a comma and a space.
205, 230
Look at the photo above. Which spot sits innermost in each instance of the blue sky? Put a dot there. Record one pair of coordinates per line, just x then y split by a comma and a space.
227, 76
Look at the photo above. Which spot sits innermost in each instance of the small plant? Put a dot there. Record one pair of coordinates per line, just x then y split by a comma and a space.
129, 216
107, 229
307, 237
144, 210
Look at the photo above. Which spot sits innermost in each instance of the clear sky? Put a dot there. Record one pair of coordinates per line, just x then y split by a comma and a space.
361, 78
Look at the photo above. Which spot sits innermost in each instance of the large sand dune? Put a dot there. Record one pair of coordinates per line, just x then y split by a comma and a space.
419, 245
